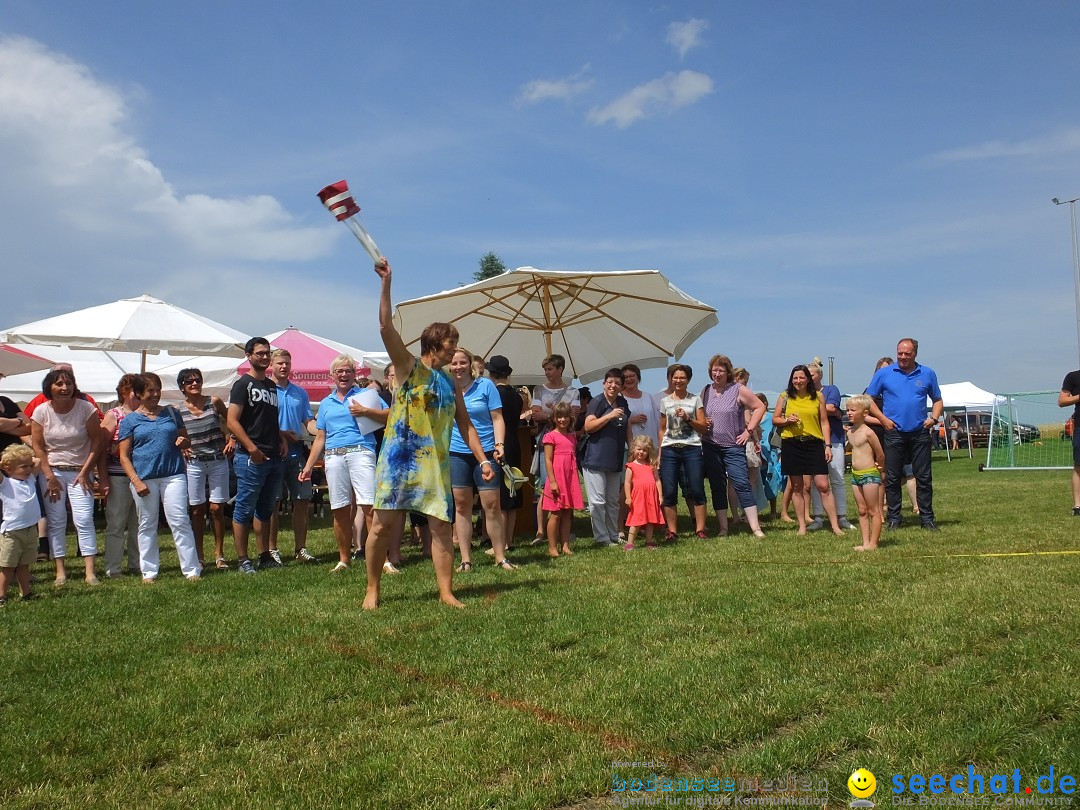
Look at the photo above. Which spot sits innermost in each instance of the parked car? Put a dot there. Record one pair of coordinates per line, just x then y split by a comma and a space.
979, 422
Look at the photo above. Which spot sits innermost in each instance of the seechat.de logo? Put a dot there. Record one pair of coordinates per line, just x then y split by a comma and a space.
862, 785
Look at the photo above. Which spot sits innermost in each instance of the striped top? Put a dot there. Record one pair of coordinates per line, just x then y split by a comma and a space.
204, 430
727, 414
113, 461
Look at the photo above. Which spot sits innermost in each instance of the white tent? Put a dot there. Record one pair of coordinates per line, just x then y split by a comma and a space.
965, 396
97, 373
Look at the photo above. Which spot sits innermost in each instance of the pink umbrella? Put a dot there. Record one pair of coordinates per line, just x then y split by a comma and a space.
311, 357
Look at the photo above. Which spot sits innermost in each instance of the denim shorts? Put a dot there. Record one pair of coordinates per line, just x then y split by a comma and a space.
465, 472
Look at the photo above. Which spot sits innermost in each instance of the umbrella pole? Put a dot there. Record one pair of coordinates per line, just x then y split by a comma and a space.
142, 367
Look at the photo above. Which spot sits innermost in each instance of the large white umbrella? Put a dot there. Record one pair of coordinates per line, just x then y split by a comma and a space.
145, 325
596, 320
17, 361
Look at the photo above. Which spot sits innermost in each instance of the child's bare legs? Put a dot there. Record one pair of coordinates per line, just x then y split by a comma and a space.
631, 537
864, 516
876, 516
565, 519
752, 520
553, 533
827, 501
21, 574
648, 536
910, 484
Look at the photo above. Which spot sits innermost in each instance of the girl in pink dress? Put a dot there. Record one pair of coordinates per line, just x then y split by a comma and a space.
641, 494
562, 493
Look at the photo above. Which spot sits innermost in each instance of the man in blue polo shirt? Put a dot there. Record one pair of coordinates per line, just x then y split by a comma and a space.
904, 387
295, 421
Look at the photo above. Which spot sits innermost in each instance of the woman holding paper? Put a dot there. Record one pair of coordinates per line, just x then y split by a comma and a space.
349, 450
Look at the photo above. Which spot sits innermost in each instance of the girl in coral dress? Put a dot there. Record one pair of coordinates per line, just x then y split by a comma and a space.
641, 494
562, 492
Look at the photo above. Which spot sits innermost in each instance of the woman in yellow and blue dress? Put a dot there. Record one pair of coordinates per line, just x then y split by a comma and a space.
413, 470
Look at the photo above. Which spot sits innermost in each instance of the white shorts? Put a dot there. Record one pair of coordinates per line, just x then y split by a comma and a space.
214, 472
352, 473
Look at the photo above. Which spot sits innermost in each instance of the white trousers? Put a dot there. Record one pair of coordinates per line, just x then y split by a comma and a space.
82, 514
170, 492
836, 483
121, 523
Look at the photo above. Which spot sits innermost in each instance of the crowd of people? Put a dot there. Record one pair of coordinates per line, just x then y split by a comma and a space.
439, 442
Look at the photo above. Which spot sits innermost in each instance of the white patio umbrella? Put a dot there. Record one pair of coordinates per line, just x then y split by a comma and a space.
595, 320
17, 361
145, 325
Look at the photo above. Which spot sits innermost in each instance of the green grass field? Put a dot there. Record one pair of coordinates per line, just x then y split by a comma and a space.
730, 658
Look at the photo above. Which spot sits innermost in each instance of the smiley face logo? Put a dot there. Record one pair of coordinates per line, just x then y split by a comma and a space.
862, 783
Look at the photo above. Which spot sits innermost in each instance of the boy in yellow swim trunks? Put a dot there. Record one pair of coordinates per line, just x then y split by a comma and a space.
867, 462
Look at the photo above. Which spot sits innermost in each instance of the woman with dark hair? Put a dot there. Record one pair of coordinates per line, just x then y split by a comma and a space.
121, 516
804, 453
151, 440
207, 461
68, 441
413, 470
512, 405
682, 421
603, 461
725, 440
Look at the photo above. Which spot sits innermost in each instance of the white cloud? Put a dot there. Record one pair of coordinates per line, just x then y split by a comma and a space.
66, 145
1057, 143
555, 89
685, 36
660, 96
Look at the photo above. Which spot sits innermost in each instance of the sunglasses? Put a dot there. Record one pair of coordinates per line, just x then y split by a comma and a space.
192, 381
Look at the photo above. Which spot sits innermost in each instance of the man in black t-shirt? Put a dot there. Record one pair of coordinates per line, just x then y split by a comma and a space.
1070, 396
260, 452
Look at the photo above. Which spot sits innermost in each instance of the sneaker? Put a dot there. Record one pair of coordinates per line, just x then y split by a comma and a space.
277, 556
845, 524
815, 525
305, 556
337, 569
246, 567
269, 561
930, 526
606, 544
628, 547
622, 537
358, 554
892, 525
1076, 513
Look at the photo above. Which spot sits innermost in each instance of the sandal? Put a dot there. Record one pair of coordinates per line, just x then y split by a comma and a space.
701, 535
464, 568
221, 565
389, 568
670, 537
506, 565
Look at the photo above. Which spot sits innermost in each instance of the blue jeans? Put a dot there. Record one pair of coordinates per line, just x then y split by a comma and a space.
910, 447
258, 487
722, 464
686, 459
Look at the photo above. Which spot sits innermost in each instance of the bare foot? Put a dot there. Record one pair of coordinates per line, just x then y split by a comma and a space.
801, 532
92, 580
452, 601
759, 533
371, 599
838, 530
786, 519
553, 553
566, 549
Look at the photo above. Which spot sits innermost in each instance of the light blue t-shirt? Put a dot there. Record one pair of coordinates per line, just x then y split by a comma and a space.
904, 395
340, 425
481, 398
154, 453
294, 411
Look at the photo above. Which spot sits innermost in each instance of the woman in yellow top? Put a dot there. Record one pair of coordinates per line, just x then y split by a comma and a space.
804, 453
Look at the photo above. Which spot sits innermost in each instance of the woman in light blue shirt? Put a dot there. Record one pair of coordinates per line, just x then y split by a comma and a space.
484, 405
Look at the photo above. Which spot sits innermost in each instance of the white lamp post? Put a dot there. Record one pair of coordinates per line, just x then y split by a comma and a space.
1076, 259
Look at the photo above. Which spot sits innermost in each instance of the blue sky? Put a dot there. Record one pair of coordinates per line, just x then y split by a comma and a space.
831, 176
